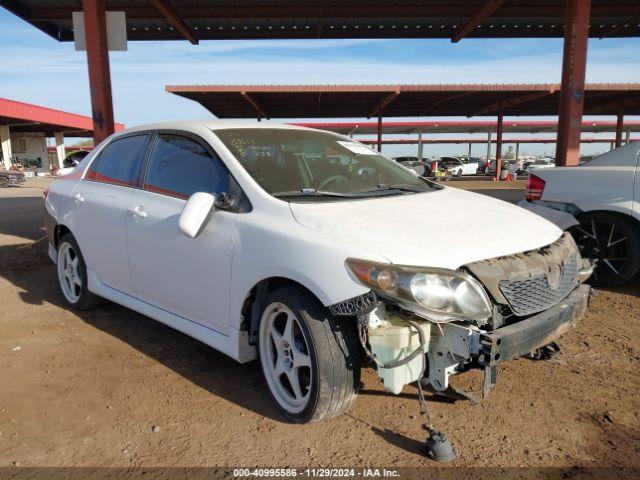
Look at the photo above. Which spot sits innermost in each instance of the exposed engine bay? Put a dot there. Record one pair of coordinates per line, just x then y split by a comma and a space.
535, 297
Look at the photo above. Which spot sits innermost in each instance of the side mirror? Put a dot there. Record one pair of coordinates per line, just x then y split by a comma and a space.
195, 213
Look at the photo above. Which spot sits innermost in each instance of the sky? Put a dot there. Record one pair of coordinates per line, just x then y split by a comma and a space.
39, 70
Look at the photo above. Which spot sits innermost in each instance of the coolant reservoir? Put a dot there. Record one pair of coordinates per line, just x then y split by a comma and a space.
394, 341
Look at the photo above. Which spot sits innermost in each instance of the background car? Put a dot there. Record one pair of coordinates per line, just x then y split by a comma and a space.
540, 164
421, 167
457, 167
74, 158
604, 197
511, 165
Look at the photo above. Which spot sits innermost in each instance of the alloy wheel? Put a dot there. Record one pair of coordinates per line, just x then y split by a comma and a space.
68, 272
285, 357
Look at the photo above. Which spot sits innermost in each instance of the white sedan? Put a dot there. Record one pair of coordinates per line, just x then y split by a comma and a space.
603, 195
457, 167
308, 250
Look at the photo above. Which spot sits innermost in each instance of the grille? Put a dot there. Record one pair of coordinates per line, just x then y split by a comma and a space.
535, 294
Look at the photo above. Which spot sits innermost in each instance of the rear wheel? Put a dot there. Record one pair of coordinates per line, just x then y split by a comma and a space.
310, 361
72, 275
614, 242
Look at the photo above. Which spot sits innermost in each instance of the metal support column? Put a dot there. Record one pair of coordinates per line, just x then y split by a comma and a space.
489, 148
619, 126
420, 146
60, 150
627, 136
517, 154
499, 144
5, 141
380, 132
469, 151
574, 60
95, 27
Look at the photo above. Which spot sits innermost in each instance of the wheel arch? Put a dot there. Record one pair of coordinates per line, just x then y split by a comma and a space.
254, 300
616, 213
60, 231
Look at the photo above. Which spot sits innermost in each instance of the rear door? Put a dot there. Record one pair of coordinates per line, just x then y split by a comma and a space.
189, 277
101, 200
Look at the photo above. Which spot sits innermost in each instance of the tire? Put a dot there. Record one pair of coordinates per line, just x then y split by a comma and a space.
72, 275
459, 173
4, 181
612, 240
328, 376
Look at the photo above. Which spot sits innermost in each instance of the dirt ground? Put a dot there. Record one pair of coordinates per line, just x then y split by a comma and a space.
110, 387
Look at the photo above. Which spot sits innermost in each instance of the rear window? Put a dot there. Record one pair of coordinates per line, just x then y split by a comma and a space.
118, 163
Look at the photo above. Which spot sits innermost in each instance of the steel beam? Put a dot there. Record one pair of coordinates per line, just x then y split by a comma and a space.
383, 103
511, 102
574, 62
254, 103
95, 28
619, 126
499, 131
173, 18
484, 11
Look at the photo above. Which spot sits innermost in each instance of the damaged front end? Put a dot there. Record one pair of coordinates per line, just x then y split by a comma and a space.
425, 324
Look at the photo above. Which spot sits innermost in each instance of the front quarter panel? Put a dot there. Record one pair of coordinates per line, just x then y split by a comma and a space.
268, 245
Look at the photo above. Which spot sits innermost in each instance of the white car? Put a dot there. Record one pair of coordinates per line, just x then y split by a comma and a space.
540, 164
604, 197
306, 250
457, 167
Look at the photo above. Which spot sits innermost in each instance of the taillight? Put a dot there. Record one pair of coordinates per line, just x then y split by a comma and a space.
45, 193
535, 186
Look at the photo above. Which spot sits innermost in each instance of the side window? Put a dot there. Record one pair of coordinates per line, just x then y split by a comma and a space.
119, 161
181, 167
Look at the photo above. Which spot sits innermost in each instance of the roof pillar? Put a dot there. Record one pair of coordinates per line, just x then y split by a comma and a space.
574, 61
5, 139
95, 27
60, 150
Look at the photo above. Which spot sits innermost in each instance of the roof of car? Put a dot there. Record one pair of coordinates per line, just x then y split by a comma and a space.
211, 124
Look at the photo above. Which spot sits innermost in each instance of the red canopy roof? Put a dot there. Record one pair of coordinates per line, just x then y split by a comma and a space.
26, 117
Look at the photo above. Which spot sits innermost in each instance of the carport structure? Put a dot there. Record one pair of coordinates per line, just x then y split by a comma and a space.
488, 128
20, 118
195, 20
352, 101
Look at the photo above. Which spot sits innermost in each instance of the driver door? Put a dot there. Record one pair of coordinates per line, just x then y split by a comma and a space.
189, 277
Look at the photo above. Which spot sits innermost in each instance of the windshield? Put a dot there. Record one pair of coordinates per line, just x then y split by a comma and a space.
297, 163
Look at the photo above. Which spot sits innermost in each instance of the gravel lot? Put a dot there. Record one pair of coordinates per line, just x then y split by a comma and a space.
110, 387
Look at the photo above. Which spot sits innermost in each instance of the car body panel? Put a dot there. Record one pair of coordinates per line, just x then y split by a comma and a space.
420, 239
606, 183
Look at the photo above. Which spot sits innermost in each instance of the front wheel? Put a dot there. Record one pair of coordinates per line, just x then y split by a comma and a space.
612, 240
310, 361
459, 174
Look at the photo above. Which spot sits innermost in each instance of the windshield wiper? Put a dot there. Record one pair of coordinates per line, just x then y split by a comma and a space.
402, 188
312, 192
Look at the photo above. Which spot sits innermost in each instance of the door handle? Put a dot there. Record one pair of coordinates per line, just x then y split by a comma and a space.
138, 211
78, 198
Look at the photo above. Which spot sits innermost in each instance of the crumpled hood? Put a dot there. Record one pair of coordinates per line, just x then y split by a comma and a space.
444, 228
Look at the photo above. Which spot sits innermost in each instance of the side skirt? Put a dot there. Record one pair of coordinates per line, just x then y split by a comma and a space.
235, 345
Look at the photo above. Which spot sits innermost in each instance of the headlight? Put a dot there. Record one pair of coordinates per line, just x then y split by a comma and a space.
441, 295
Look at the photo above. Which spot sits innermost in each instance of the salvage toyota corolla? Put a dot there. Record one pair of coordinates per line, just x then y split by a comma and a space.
312, 253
